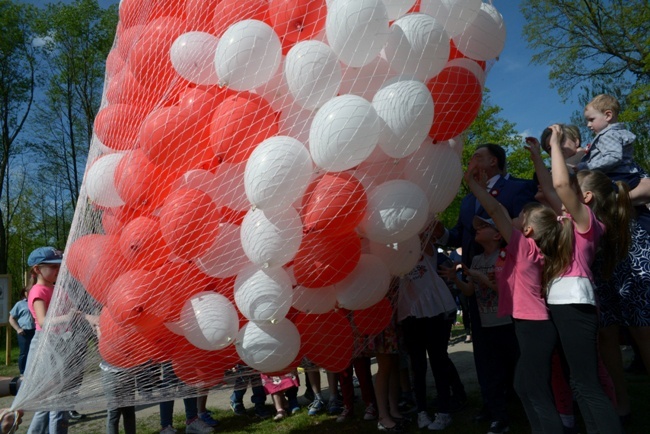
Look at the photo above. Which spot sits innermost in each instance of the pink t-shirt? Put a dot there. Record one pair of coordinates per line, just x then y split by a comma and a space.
41, 292
520, 280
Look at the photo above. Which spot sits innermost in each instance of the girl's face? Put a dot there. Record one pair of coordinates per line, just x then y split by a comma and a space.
570, 147
47, 273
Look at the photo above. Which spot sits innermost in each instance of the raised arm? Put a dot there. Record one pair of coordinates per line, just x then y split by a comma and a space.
496, 211
571, 200
543, 175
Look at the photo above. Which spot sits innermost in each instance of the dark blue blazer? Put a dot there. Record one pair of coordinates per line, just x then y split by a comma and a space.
513, 194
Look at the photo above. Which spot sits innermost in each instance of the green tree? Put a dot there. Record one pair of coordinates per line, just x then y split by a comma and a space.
490, 127
78, 37
18, 80
597, 46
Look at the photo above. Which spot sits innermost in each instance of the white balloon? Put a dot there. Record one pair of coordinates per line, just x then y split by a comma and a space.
192, 56
295, 121
400, 258
277, 172
100, 181
397, 8
437, 170
397, 210
208, 321
471, 65
271, 239
229, 189
485, 38
275, 91
417, 46
366, 80
313, 73
356, 29
407, 110
314, 300
248, 55
455, 15
197, 179
344, 132
263, 294
268, 347
226, 257
365, 286
373, 173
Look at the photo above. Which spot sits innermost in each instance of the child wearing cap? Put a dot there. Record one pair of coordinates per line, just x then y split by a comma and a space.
44, 264
499, 344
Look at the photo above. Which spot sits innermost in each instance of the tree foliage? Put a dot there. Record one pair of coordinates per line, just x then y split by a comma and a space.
596, 46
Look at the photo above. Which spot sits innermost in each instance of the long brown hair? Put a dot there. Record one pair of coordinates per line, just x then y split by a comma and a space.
612, 206
553, 236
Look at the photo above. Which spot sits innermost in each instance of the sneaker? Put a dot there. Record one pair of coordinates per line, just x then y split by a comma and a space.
197, 426
75, 415
168, 430
442, 421
345, 415
334, 406
371, 413
294, 407
207, 418
315, 407
498, 427
423, 420
238, 408
262, 412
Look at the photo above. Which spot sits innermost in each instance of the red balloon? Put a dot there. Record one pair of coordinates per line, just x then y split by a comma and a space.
457, 96
142, 244
180, 281
326, 339
297, 20
203, 101
120, 346
229, 12
375, 319
201, 368
189, 222
415, 8
161, 343
334, 203
117, 125
239, 124
200, 15
114, 64
175, 140
323, 261
140, 183
78, 256
105, 264
149, 58
114, 219
454, 53
134, 302
134, 12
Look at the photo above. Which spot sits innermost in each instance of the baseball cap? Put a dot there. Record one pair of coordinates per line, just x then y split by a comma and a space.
480, 222
45, 255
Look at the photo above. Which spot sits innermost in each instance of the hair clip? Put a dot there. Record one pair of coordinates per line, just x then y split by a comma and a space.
562, 217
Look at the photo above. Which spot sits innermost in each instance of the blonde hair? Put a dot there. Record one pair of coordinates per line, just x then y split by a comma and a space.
612, 206
604, 102
554, 238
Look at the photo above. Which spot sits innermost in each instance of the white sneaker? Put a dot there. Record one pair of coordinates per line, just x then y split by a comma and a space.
442, 421
198, 427
168, 430
423, 420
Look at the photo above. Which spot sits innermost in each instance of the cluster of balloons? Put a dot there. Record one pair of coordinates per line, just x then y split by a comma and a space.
265, 166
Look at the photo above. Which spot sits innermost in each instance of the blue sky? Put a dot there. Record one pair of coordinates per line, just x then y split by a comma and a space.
521, 89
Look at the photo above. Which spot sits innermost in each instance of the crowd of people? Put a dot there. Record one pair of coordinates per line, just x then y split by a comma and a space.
550, 270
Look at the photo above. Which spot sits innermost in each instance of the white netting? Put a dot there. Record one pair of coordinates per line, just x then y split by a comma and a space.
259, 171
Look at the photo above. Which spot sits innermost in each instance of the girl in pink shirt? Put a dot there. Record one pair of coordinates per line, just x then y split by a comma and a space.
524, 267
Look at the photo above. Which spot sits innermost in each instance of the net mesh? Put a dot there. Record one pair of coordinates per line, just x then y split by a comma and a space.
259, 174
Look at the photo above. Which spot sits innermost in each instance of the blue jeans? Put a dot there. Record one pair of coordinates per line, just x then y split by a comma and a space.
23, 343
241, 383
167, 407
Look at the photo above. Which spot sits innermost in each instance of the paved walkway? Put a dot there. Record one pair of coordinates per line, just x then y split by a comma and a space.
460, 353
